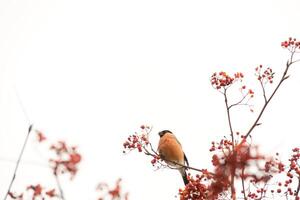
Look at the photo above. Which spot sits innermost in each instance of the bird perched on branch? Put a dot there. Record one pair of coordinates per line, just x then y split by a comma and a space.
170, 150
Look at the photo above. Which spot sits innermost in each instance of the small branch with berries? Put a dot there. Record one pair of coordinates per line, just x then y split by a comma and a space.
65, 160
293, 46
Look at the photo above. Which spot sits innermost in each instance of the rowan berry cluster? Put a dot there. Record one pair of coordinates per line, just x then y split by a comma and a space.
196, 188
155, 160
138, 140
223, 144
264, 76
34, 192
292, 176
66, 159
294, 161
114, 193
245, 92
291, 44
223, 80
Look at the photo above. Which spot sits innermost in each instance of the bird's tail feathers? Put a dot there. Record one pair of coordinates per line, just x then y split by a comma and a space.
184, 176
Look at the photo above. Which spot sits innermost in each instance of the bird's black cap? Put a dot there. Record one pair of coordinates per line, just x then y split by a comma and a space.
162, 133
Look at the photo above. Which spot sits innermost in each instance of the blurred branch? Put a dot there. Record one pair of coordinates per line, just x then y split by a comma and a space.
18, 162
24, 162
298, 189
243, 183
22, 106
61, 192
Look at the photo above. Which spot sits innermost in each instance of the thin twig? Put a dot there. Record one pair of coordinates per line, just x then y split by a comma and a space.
264, 90
243, 183
18, 162
21, 105
295, 61
233, 193
239, 102
61, 192
24, 162
298, 189
229, 118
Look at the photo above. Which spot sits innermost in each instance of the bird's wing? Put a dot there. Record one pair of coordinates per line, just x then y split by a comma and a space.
176, 140
186, 160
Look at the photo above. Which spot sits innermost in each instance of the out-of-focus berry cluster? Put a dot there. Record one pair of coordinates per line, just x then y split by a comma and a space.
34, 192
66, 159
114, 193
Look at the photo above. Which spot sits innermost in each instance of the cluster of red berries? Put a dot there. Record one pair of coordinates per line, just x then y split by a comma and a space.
36, 192
264, 76
197, 188
293, 172
294, 160
155, 160
114, 193
271, 168
223, 80
291, 44
258, 194
243, 162
285, 187
274, 166
138, 140
223, 144
66, 159
249, 93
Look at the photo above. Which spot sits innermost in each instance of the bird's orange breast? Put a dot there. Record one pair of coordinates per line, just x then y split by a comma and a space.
170, 149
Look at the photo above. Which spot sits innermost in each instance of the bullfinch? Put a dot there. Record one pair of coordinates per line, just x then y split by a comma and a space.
169, 149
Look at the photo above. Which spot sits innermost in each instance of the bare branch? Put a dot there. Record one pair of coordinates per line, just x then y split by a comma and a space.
264, 90
239, 102
229, 118
298, 189
243, 183
18, 162
61, 192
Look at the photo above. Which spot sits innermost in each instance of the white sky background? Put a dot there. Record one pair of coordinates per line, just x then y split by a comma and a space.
91, 72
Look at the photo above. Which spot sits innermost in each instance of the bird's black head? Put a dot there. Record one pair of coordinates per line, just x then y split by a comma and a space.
162, 133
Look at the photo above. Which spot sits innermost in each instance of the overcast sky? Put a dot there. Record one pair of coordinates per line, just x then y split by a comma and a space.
91, 72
